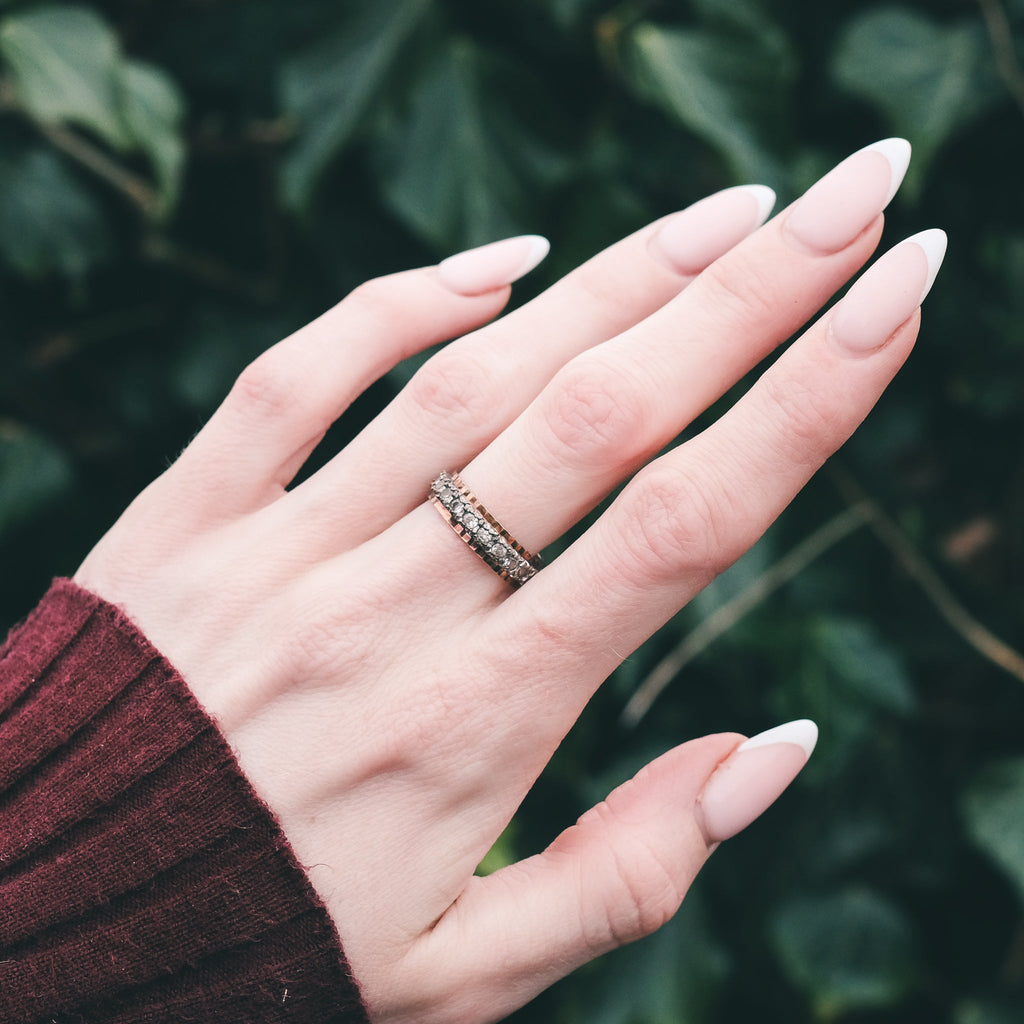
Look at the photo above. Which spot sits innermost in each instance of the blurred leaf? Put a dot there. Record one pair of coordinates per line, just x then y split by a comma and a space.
328, 89
64, 67
449, 170
153, 110
218, 343
858, 656
926, 79
34, 472
731, 88
849, 840
48, 221
852, 950
993, 807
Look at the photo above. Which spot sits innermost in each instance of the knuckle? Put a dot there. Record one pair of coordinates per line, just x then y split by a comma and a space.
745, 296
374, 295
334, 633
804, 423
644, 894
596, 410
456, 387
335, 644
265, 387
679, 524
603, 296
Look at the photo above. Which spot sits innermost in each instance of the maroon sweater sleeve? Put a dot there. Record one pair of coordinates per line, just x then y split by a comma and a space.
141, 878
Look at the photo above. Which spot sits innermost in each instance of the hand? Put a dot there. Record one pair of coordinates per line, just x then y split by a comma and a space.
387, 694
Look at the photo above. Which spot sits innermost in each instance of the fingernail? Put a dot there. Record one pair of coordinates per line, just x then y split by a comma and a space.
491, 266
694, 238
752, 778
836, 209
888, 293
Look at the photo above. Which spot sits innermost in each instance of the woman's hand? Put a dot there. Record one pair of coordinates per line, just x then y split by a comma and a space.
389, 696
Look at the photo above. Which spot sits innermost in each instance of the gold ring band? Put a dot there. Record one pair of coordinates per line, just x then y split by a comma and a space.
471, 521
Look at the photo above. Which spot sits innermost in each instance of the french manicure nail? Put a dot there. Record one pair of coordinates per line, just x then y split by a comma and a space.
888, 293
754, 775
692, 239
836, 209
494, 265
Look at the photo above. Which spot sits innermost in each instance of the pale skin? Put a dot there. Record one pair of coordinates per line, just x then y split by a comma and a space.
390, 698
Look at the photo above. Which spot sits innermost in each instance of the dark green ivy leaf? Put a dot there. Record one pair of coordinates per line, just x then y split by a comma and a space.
64, 65
993, 806
34, 472
48, 219
67, 68
730, 87
846, 951
927, 80
153, 110
450, 169
328, 89
863, 663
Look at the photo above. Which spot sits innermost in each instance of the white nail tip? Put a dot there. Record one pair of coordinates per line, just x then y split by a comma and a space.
539, 247
897, 152
933, 243
802, 733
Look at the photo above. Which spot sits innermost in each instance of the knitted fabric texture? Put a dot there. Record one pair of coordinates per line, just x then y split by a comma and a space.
141, 878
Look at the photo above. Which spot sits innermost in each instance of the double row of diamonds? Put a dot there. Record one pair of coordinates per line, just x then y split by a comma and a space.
481, 531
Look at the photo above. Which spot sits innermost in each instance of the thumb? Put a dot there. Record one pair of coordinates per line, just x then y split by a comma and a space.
615, 876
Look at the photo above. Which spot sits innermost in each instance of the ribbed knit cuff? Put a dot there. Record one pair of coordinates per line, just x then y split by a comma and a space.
141, 878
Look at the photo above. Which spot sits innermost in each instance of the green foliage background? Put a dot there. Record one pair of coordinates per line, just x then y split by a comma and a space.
183, 183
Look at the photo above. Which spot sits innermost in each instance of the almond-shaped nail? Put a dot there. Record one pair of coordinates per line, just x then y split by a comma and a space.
888, 293
836, 209
494, 265
692, 239
753, 777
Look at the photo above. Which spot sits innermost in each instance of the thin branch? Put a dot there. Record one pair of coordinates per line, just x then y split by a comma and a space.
82, 151
210, 271
79, 149
973, 632
1001, 35
725, 617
